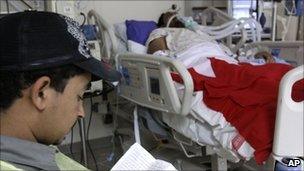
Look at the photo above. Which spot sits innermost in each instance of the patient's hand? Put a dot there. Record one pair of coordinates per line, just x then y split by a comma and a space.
265, 55
157, 44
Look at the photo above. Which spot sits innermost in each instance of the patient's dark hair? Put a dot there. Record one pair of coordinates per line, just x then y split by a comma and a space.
164, 18
161, 22
12, 83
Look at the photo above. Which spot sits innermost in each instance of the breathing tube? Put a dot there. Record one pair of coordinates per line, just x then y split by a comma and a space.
233, 26
224, 30
187, 21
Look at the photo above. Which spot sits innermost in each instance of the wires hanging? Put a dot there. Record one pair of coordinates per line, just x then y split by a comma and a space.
88, 134
84, 19
26, 4
71, 142
290, 13
7, 7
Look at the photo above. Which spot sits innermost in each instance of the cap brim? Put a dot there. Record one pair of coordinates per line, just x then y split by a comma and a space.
99, 70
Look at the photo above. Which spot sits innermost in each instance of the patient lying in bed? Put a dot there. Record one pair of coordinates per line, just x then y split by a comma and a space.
177, 38
244, 93
188, 47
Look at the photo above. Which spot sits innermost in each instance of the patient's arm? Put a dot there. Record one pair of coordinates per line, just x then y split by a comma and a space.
157, 44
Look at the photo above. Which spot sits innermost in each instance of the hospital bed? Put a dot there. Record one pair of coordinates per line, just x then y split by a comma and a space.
147, 82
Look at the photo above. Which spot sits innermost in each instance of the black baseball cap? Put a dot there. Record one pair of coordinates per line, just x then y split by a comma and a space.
33, 40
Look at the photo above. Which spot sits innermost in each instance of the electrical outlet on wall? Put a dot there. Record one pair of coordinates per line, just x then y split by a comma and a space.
66, 8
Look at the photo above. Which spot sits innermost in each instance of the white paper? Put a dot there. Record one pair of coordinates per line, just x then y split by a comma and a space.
137, 158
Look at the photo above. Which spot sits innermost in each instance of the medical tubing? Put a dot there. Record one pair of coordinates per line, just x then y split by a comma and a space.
26, 4
230, 23
115, 123
81, 153
214, 30
238, 23
7, 7
226, 29
186, 153
71, 141
88, 132
233, 26
84, 19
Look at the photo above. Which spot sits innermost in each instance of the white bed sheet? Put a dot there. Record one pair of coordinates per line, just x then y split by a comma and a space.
206, 126
220, 130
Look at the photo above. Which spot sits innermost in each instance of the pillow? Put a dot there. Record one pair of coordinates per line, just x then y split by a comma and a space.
122, 47
139, 31
120, 30
136, 47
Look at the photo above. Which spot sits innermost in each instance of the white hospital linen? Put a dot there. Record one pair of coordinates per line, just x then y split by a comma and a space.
178, 39
221, 130
191, 49
198, 57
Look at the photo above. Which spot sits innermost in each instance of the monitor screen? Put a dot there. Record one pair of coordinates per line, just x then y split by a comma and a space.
154, 86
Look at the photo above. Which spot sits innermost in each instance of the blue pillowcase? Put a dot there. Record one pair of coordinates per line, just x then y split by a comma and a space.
139, 31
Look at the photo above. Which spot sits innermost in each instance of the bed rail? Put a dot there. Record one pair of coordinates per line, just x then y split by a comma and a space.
288, 137
147, 81
105, 35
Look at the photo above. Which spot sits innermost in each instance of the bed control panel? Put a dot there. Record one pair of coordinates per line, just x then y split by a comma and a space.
155, 94
131, 75
142, 82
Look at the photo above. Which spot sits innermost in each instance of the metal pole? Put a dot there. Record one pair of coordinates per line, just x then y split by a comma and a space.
274, 21
83, 141
136, 126
230, 8
230, 13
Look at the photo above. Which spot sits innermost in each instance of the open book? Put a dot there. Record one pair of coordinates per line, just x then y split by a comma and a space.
137, 158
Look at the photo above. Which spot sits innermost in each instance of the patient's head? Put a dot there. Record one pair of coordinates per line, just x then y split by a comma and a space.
164, 19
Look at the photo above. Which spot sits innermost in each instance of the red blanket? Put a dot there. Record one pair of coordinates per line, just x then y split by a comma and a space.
247, 97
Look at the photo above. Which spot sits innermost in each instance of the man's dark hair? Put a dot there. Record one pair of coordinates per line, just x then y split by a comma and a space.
12, 83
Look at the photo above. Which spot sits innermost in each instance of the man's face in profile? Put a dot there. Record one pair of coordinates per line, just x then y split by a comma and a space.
63, 111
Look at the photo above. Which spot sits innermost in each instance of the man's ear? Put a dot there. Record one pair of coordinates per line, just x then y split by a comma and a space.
39, 92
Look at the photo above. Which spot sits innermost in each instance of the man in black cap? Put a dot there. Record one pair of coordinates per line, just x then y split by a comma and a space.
45, 67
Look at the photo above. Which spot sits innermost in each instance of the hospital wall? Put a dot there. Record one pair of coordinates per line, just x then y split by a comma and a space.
203, 3
119, 11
